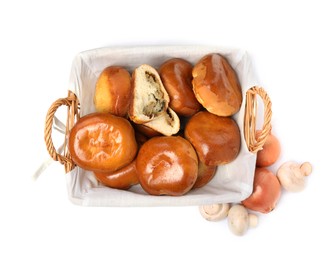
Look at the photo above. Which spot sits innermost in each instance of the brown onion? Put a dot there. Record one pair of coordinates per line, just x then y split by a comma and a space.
266, 192
270, 153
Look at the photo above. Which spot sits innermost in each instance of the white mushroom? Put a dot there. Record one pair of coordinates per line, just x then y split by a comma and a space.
239, 220
292, 175
214, 212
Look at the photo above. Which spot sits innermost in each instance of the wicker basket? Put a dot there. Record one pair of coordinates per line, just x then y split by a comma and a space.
87, 191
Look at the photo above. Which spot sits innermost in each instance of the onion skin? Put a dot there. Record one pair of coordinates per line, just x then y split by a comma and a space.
266, 192
270, 152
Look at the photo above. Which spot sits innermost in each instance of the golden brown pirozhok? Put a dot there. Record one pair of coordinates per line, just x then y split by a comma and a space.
102, 142
167, 165
216, 85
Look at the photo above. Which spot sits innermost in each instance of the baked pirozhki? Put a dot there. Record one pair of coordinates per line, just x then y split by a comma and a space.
102, 142
167, 165
149, 103
216, 85
145, 130
122, 178
113, 91
205, 175
167, 123
176, 74
216, 139
149, 99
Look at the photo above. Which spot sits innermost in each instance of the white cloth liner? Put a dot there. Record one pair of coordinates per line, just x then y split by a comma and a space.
233, 181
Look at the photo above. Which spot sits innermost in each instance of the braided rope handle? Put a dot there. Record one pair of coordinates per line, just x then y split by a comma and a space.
72, 113
255, 141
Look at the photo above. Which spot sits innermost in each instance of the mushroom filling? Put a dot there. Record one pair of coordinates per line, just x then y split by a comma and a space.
170, 118
154, 103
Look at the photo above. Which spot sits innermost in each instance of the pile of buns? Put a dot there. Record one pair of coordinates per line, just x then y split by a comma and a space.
166, 129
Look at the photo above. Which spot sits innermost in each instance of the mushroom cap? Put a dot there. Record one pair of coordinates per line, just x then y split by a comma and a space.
239, 220
214, 212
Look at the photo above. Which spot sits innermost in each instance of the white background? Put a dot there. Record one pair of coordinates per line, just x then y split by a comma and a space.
290, 44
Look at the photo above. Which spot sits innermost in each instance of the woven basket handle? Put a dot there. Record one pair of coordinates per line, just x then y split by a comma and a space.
256, 142
73, 106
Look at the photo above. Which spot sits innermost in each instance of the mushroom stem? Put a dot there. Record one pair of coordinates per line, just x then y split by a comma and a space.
253, 220
306, 168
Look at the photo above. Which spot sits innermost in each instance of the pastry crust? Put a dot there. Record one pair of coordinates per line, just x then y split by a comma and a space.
216, 139
102, 142
216, 85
